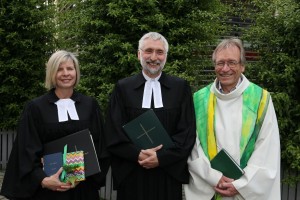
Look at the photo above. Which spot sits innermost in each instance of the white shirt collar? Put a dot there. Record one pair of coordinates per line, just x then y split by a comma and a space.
65, 107
152, 86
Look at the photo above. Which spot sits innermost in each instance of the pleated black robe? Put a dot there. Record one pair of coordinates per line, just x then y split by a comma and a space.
38, 125
132, 181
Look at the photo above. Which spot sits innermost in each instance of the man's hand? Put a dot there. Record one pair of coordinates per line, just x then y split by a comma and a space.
148, 158
225, 187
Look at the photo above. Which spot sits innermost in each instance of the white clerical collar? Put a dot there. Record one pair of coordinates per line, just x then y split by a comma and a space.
221, 89
65, 107
152, 85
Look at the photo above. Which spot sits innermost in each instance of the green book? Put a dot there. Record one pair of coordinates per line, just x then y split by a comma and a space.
224, 163
146, 131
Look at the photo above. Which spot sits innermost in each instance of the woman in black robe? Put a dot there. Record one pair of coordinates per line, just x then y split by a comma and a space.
153, 174
60, 112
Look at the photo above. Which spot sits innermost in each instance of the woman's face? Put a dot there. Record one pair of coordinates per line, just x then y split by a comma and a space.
66, 75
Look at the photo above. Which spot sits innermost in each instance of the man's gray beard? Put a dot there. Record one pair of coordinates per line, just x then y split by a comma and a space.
152, 71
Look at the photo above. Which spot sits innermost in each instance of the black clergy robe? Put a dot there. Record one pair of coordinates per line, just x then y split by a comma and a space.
38, 125
164, 182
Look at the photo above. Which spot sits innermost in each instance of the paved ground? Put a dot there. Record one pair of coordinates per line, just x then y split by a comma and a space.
1, 178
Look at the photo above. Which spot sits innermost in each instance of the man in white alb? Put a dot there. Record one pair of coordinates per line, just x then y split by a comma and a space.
234, 114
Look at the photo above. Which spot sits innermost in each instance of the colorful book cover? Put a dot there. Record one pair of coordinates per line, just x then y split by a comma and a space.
79, 141
74, 166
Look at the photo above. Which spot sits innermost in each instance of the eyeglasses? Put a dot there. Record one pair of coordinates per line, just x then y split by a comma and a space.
231, 64
158, 52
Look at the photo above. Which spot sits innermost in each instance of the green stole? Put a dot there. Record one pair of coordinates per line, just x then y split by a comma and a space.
255, 104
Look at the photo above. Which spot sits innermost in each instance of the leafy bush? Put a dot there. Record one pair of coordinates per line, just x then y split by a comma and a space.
275, 35
25, 44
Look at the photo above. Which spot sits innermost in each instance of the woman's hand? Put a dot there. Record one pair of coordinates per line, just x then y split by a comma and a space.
53, 183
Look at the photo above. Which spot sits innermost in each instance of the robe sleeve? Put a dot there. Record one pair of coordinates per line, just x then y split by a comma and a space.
184, 136
124, 153
117, 141
203, 177
97, 131
262, 173
24, 172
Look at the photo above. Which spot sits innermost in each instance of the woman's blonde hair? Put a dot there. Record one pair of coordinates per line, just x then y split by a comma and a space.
53, 63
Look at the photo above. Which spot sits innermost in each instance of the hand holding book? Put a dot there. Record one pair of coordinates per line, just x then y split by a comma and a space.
73, 167
72, 164
79, 141
224, 163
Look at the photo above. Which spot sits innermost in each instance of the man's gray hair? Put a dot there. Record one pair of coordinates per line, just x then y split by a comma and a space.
230, 43
154, 36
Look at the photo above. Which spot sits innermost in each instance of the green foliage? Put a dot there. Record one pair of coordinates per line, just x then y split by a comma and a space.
25, 38
275, 35
106, 34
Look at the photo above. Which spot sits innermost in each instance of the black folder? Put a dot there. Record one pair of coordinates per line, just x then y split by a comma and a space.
79, 141
146, 131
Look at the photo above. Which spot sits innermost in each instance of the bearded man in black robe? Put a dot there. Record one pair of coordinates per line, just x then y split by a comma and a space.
157, 173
